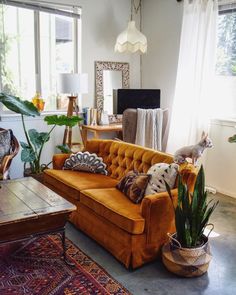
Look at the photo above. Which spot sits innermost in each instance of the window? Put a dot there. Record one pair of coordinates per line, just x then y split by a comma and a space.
225, 86
226, 49
35, 46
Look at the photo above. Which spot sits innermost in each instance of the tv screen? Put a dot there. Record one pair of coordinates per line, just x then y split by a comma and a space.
137, 98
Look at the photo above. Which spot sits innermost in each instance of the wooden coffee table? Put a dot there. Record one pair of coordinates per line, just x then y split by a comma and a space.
29, 209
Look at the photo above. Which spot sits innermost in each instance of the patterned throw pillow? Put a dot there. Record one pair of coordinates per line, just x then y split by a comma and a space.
133, 185
5, 143
84, 161
161, 173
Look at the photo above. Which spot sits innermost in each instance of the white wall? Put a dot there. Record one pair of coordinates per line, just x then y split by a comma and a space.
102, 21
220, 165
162, 20
101, 24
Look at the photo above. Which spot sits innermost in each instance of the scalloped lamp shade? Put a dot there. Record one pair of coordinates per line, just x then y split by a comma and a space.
131, 40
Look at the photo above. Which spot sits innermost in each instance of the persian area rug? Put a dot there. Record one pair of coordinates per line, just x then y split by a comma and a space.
36, 267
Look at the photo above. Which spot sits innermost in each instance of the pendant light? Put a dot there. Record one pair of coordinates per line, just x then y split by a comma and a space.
131, 39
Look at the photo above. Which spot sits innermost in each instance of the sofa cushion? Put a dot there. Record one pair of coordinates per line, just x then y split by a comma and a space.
84, 161
161, 173
72, 182
113, 205
133, 185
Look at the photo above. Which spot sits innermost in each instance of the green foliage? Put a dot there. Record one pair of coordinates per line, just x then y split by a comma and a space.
192, 212
19, 106
226, 52
32, 149
232, 138
64, 148
62, 120
6, 42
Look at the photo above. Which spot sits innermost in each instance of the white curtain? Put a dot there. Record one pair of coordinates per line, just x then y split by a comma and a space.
193, 97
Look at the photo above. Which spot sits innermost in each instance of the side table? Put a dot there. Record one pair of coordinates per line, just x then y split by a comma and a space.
98, 129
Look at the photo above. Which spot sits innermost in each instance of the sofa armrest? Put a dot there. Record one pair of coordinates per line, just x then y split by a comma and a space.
158, 211
58, 160
189, 174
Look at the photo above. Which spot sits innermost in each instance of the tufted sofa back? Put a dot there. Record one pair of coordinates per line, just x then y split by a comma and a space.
121, 157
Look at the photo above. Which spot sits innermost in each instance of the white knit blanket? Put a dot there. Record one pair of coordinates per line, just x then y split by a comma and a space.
149, 128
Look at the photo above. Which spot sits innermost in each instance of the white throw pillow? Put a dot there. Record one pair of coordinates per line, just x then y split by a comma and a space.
161, 173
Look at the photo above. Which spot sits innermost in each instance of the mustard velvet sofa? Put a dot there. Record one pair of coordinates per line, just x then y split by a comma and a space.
133, 233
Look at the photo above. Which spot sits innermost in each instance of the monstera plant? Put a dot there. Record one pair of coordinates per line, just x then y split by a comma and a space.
35, 141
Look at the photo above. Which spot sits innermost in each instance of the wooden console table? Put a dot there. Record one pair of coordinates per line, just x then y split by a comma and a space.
98, 129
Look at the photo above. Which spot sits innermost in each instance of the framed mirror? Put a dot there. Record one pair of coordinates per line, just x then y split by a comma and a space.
108, 77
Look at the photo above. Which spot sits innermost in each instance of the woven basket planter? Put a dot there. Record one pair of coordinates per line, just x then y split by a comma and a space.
186, 262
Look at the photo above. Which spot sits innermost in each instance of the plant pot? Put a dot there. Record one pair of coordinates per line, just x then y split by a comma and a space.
186, 262
37, 176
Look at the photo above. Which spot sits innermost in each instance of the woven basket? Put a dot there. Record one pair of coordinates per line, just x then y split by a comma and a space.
186, 262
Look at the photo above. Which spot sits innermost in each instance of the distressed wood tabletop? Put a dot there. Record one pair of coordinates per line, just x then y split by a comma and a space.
28, 207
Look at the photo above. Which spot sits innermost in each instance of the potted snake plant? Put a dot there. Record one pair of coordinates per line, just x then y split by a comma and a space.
188, 251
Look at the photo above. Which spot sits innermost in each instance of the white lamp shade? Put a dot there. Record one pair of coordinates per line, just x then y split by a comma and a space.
131, 40
72, 83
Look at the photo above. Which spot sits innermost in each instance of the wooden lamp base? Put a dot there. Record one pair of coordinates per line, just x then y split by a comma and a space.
72, 107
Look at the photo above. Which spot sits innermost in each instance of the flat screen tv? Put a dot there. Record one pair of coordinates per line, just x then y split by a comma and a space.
137, 98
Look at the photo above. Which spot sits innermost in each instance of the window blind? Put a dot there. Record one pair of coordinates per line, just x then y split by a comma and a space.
227, 6
48, 7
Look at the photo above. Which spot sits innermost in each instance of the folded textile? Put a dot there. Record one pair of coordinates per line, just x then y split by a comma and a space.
149, 128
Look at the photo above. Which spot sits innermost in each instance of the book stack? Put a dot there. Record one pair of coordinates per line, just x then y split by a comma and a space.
90, 116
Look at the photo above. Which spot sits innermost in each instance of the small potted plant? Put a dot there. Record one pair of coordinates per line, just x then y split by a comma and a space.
188, 252
35, 141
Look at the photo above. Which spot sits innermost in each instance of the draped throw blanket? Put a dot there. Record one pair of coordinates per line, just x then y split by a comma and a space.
149, 128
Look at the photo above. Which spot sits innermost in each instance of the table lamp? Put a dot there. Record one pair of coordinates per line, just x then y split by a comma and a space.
72, 84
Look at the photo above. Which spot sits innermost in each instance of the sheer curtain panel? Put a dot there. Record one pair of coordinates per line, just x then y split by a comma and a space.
193, 97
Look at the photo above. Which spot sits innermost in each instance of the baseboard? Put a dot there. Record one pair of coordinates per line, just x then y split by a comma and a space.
215, 190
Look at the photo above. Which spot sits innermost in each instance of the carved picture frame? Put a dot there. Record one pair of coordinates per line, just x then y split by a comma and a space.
100, 66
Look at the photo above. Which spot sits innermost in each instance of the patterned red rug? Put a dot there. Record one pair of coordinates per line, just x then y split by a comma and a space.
35, 267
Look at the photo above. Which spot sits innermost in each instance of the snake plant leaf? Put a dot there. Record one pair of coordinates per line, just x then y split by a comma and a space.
18, 106
62, 120
168, 190
192, 212
188, 238
208, 214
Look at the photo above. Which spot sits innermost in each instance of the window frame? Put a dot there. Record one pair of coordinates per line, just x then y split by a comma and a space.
77, 37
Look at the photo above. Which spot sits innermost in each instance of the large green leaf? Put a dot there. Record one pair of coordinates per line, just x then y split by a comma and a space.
19, 106
38, 138
24, 145
27, 155
64, 148
62, 120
